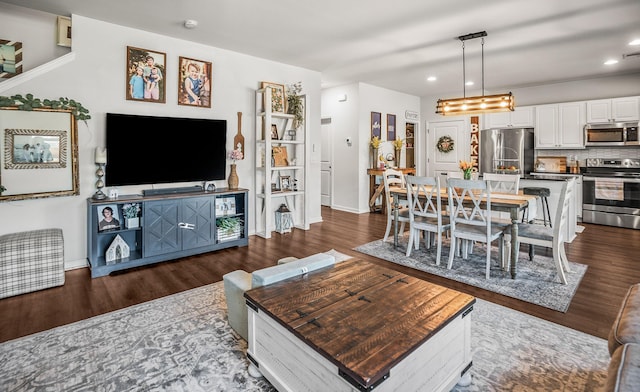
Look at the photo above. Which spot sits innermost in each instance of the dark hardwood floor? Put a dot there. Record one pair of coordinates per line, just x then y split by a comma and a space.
612, 255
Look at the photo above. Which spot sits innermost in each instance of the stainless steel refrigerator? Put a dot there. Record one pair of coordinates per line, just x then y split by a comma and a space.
506, 150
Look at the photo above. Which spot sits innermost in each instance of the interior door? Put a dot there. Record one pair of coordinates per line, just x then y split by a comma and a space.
326, 173
439, 163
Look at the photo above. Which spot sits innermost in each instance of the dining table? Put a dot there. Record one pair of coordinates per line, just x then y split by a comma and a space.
501, 202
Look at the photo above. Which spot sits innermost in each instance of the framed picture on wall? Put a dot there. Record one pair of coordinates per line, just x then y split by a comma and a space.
10, 58
146, 70
391, 127
194, 82
376, 124
64, 31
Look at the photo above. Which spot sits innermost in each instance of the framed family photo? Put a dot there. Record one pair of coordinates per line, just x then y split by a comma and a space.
278, 99
10, 58
376, 125
146, 70
194, 82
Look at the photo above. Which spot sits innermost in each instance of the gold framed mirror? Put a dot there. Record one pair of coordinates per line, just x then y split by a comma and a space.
38, 153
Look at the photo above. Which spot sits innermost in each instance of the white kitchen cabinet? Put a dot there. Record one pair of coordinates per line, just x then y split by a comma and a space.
615, 109
560, 126
520, 117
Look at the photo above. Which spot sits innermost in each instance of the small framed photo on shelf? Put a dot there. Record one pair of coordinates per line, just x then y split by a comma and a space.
225, 206
274, 132
274, 187
194, 82
108, 217
285, 183
278, 100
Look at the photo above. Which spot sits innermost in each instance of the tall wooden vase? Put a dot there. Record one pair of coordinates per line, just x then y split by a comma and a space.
233, 177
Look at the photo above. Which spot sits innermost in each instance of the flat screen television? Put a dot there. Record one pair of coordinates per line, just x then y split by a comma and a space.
159, 150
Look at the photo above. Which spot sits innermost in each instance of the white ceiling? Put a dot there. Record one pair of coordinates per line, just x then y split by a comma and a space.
397, 44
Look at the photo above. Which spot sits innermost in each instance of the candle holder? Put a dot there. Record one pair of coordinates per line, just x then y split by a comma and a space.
99, 195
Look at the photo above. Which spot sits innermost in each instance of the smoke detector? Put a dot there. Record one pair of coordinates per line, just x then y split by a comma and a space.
190, 23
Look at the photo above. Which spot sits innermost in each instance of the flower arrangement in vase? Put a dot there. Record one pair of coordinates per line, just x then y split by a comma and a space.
131, 214
397, 147
235, 155
375, 144
467, 168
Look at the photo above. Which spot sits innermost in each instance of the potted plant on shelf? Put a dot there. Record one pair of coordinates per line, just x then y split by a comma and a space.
131, 214
228, 228
294, 104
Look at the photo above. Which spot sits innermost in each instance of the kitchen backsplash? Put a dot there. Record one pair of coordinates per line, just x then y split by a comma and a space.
595, 152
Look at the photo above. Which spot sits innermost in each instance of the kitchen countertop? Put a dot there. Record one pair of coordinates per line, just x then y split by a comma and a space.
550, 176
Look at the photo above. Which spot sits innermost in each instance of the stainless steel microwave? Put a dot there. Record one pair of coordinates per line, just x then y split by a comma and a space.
611, 134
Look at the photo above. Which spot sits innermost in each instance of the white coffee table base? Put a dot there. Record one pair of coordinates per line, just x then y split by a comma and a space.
291, 365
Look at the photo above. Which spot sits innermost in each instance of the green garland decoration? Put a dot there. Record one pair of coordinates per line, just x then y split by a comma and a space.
29, 103
445, 144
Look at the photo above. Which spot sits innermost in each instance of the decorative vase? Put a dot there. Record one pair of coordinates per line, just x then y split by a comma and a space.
397, 157
374, 158
132, 223
233, 177
467, 174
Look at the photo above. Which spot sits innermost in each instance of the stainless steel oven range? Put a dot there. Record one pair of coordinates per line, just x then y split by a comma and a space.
611, 192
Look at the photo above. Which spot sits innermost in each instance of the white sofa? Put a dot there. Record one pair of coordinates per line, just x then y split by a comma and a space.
239, 281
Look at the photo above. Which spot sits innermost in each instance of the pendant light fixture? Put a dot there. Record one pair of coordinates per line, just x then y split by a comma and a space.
478, 104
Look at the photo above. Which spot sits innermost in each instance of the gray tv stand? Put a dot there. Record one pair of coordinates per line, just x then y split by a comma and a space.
171, 226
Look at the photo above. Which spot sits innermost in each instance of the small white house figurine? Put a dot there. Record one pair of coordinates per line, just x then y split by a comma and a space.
117, 251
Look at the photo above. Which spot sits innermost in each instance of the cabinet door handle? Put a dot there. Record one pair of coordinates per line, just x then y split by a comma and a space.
188, 226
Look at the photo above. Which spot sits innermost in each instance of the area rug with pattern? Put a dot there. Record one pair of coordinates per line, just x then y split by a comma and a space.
183, 342
536, 282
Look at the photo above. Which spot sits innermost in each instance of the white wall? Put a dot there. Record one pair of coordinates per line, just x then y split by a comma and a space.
97, 79
353, 119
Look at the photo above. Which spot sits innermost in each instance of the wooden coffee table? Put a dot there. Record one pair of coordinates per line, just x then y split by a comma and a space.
359, 326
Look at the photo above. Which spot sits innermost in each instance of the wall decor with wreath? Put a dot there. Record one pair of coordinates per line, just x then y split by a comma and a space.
445, 144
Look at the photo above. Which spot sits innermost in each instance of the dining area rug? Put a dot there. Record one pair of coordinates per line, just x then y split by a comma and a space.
537, 281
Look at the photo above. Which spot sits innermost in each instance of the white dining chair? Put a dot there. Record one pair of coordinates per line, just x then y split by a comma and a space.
391, 177
470, 218
502, 183
425, 213
551, 237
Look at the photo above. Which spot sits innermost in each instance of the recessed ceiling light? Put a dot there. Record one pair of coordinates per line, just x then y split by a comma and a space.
611, 62
469, 83
635, 42
432, 79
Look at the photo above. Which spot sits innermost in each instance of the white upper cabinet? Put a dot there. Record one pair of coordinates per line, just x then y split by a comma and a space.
560, 125
520, 117
616, 109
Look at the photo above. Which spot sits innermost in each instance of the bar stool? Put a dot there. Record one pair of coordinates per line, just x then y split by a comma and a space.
543, 193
